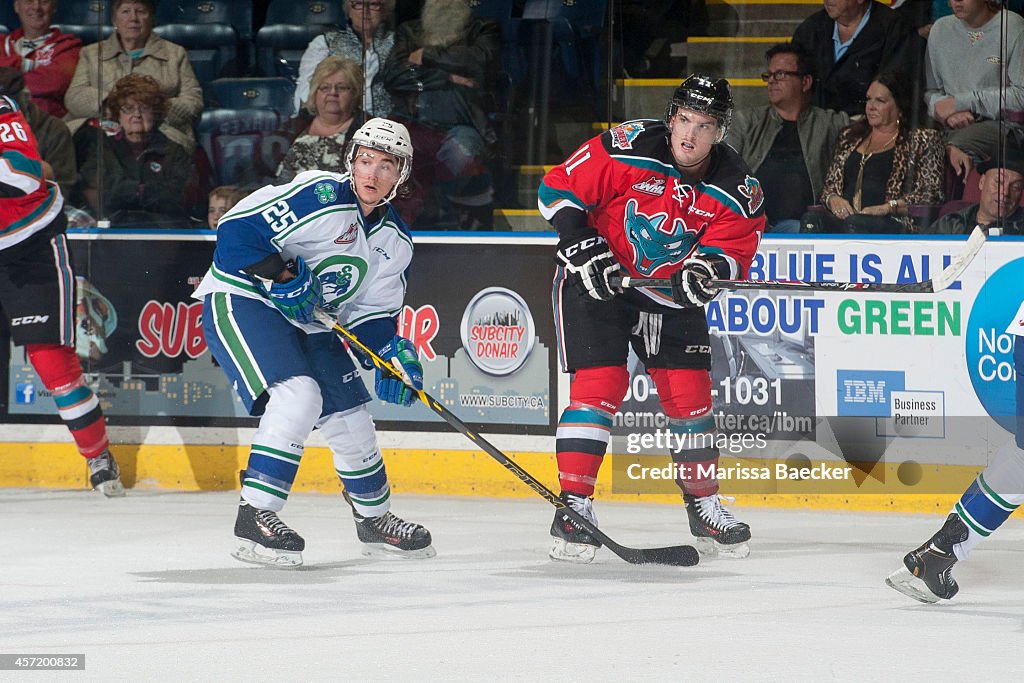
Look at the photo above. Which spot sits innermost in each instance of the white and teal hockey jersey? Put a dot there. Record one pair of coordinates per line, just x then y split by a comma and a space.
361, 266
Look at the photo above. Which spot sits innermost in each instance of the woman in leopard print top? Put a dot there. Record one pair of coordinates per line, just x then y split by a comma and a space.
881, 165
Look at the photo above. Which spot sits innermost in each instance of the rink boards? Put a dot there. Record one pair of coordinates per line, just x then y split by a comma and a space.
916, 391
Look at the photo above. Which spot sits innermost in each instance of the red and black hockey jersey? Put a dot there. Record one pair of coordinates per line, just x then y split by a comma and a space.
628, 186
30, 203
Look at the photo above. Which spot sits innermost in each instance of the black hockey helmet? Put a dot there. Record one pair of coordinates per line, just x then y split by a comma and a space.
705, 95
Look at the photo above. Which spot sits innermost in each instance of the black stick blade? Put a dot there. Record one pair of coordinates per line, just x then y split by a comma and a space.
675, 556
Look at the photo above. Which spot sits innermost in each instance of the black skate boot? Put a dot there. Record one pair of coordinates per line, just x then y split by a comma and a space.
262, 538
391, 536
105, 476
715, 530
571, 542
927, 573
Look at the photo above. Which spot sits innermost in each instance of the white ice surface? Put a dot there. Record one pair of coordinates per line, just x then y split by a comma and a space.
145, 588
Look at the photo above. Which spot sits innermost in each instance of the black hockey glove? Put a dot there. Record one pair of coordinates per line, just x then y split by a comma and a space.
589, 263
688, 288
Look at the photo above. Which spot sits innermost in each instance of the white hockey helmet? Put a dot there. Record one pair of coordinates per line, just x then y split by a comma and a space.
387, 136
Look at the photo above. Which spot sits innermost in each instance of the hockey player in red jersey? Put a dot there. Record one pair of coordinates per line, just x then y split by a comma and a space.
648, 198
37, 291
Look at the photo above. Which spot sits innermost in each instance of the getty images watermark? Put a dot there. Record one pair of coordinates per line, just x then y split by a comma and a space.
727, 444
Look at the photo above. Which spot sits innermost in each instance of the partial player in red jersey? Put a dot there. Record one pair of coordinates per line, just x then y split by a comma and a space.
37, 291
648, 198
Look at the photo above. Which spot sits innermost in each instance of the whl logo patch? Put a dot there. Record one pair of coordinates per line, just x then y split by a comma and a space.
653, 186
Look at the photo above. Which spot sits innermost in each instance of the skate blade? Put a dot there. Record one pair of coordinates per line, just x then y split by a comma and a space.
579, 553
711, 549
111, 489
390, 552
253, 553
911, 586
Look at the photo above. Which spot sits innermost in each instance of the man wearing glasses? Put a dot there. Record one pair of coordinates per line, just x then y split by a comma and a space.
788, 142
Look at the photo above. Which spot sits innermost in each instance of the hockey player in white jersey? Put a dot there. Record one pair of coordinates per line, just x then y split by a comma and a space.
330, 241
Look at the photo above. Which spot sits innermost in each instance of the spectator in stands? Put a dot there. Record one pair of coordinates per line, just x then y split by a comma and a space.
221, 200
46, 56
788, 142
881, 166
144, 174
367, 40
850, 41
964, 68
133, 48
53, 137
336, 104
1001, 185
439, 74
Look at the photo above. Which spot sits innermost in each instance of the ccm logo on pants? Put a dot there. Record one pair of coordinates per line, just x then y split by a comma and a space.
29, 320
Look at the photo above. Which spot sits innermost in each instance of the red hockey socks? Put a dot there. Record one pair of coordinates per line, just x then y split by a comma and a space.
78, 407
584, 427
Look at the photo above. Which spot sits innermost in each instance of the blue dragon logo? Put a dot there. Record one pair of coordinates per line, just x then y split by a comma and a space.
654, 246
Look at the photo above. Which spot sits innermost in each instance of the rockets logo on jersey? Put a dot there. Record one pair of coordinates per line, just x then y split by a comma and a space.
340, 277
656, 242
751, 189
623, 135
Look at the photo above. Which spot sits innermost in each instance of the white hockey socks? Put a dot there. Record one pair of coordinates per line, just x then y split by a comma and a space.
992, 498
292, 410
357, 460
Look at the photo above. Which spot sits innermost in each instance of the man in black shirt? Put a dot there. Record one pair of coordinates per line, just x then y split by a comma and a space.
788, 143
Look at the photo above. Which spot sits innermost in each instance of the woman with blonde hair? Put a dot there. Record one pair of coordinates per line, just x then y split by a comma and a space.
335, 100
367, 40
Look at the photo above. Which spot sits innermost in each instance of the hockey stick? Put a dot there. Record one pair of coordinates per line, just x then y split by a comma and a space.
678, 555
938, 283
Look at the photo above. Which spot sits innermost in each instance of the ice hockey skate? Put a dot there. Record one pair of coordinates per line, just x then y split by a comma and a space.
105, 475
715, 530
390, 536
927, 573
570, 542
262, 538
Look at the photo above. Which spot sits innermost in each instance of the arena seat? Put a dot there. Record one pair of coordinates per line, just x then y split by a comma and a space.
84, 12
497, 11
8, 19
576, 30
244, 145
305, 13
87, 33
274, 94
212, 48
234, 13
279, 48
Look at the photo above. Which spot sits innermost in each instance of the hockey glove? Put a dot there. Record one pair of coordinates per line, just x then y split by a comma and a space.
590, 264
298, 297
688, 283
393, 390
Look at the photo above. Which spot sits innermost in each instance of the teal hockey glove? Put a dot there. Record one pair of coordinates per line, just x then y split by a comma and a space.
299, 297
390, 389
